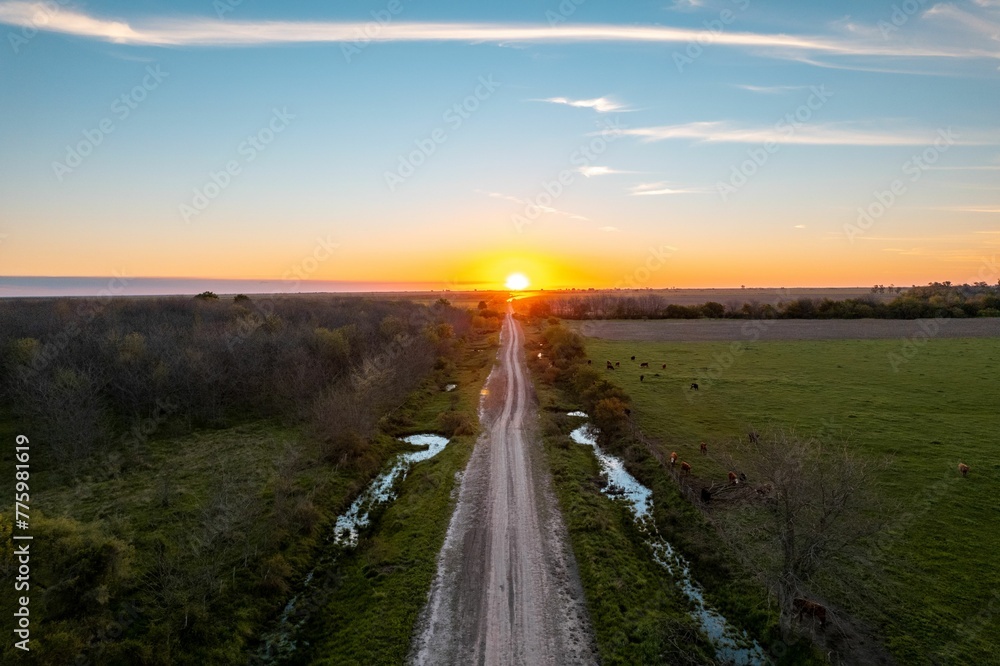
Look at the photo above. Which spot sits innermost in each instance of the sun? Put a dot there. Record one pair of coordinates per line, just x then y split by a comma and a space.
517, 282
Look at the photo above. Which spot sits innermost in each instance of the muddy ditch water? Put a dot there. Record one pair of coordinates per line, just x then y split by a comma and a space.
280, 643
732, 645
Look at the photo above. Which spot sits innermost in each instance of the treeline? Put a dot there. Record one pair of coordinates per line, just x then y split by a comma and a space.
932, 301
91, 376
189, 559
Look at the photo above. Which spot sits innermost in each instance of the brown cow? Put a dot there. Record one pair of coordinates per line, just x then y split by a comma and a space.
589, 361
733, 479
633, 358
810, 608
644, 365
610, 367
963, 468
704, 448
685, 468
618, 364
664, 366
642, 377
673, 459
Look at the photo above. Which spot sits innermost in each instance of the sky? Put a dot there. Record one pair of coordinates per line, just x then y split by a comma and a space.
583, 143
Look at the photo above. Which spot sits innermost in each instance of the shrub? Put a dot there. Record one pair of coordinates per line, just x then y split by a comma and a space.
454, 423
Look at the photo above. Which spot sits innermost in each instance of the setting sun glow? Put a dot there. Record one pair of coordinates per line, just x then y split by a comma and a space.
517, 282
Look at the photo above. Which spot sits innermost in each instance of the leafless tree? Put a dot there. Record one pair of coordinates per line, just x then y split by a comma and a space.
805, 508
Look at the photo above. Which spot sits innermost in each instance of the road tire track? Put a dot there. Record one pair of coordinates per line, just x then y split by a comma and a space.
507, 591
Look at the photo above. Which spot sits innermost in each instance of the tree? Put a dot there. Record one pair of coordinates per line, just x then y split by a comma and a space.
818, 505
207, 296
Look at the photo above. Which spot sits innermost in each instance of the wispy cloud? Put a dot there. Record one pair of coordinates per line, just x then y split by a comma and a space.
521, 202
771, 90
590, 171
599, 104
799, 226
203, 31
992, 210
609, 229
661, 189
829, 134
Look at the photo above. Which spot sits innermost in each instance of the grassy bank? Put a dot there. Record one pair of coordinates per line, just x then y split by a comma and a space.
931, 587
382, 585
638, 612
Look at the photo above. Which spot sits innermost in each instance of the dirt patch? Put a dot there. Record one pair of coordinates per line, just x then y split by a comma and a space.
728, 330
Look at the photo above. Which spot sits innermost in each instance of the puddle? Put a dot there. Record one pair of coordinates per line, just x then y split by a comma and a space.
582, 415
279, 644
380, 490
451, 387
732, 646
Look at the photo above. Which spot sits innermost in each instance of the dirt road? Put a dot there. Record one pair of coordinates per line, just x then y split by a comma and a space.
507, 589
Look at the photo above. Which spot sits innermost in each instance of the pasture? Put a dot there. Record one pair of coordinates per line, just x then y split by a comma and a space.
931, 588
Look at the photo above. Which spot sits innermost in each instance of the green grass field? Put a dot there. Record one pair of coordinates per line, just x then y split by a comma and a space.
935, 596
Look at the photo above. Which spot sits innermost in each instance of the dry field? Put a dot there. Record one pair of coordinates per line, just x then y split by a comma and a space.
725, 330
725, 296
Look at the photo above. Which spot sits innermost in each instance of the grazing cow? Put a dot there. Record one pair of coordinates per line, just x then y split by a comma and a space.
754, 437
810, 608
733, 479
694, 387
706, 495
589, 361
704, 448
610, 366
644, 365
633, 358
963, 468
664, 366
685, 468
618, 364
642, 378
673, 458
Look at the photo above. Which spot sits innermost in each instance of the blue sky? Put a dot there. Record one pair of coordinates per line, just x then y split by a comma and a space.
704, 161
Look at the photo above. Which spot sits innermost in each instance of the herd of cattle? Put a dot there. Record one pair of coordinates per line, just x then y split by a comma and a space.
801, 607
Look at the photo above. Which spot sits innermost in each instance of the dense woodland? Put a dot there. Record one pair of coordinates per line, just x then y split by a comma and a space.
938, 299
187, 453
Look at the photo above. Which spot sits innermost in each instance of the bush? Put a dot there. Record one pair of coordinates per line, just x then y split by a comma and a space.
454, 423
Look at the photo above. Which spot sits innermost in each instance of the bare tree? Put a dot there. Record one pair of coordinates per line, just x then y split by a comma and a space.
814, 501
